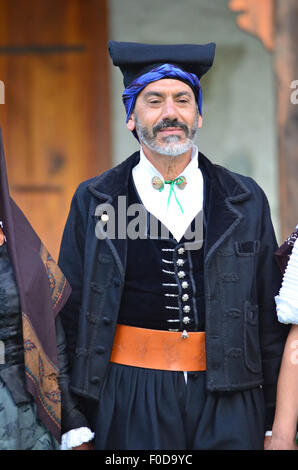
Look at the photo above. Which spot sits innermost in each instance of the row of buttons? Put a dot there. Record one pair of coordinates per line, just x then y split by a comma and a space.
185, 285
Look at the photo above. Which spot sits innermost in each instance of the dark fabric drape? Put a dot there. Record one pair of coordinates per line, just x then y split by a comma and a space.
43, 290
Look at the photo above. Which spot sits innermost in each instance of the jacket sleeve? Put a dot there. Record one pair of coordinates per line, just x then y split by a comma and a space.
72, 417
272, 333
71, 262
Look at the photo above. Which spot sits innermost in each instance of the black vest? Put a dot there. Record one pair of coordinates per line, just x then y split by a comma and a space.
164, 283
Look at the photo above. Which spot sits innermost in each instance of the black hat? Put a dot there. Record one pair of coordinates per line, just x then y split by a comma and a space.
134, 59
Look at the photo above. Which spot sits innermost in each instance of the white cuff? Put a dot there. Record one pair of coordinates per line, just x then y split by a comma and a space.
75, 438
286, 312
268, 433
287, 299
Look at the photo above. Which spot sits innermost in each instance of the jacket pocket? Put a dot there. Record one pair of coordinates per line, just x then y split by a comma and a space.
247, 248
252, 350
104, 272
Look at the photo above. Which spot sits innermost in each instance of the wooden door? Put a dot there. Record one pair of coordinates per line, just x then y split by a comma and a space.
55, 120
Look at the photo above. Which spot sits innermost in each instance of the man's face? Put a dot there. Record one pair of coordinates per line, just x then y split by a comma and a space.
166, 117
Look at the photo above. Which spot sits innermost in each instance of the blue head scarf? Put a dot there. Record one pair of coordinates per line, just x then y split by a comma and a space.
130, 93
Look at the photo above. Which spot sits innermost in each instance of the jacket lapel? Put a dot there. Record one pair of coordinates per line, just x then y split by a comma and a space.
112, 188
225, 189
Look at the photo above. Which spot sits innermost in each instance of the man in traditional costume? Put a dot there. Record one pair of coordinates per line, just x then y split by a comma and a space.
173, 340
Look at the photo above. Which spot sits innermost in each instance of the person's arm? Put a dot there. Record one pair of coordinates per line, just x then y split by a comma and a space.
76, 433
286, 414
71, 263
273, 334
76, 430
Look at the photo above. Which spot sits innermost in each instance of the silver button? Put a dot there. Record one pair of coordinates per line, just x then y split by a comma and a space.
157, 183
180, 262
184, 285
185, 297
181, 274
181, 183
104, 217
186, 320
186, 309
184, 334
181, 251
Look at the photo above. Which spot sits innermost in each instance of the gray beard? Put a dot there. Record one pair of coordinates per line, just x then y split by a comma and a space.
172, 146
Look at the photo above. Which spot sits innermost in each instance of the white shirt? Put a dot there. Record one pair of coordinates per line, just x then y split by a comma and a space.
287, 300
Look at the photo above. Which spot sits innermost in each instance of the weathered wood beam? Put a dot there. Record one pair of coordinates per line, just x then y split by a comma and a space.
286, 68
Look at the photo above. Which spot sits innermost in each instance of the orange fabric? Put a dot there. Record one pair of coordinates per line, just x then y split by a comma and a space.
158, 349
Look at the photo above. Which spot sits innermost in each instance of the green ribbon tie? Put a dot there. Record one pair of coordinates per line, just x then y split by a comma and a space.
176, 181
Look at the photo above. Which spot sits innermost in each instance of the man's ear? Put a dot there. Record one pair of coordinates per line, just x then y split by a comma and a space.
200, 121
131, 123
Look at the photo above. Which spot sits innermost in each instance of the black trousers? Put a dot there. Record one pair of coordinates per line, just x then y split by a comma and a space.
143, 409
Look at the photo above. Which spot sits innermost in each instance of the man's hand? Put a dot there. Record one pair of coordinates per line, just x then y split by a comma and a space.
84, 446
279, 443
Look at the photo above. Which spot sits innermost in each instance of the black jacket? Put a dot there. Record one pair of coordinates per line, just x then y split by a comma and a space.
244, 341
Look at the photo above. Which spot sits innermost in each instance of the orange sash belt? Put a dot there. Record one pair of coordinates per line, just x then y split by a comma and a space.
158, 349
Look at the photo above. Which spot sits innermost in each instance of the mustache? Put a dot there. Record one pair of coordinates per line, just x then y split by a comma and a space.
165, 123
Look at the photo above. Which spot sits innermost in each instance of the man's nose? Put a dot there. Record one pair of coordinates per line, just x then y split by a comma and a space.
169, 109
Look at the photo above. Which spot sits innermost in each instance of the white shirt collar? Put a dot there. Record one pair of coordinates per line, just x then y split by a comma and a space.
150, 171
156, 202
